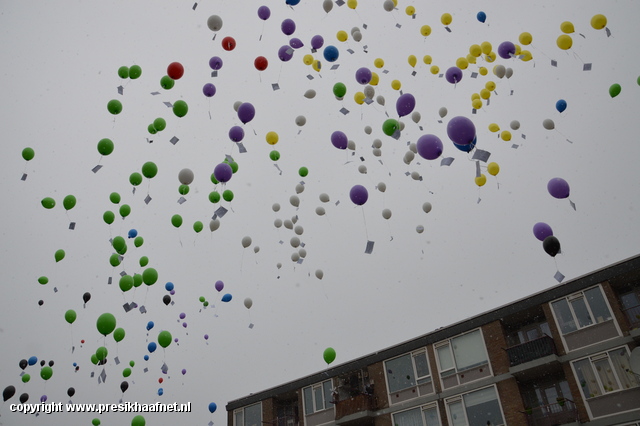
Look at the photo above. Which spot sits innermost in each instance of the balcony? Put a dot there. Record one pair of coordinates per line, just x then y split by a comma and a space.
356, 409
561, 413
531, 350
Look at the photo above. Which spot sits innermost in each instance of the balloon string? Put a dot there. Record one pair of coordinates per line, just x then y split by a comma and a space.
366, 232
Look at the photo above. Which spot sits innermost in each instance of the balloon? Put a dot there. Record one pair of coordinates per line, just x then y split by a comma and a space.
246, 112
541, 231
359, 195
548, 124
561, 105
564, 42
329, 355
429, 147
467, 147
272, 138
288, 27
106, 323
8, 392
515, 125
598, 22
86, 297
180, 108
219, 285
223, 172
114, 106
292, 2
175, 70
59, 255
442, 112
228, 43
505, 135
390, 126
152, 346
246, 241
135, 72
101, 353
167, 83
26, 378
453, 75
33, 360
363, 76
274, 155
198, 226
481, 16
46, 373
405, 104
558, 188
525, 38
615, 90
176, 220
24, 398
164, 338
48, 203
70, 316
481, 180
248, 303
551, 245
149, 276
69, 202
105, 146
124, 386
331, 53
426, 207
226, 298
461, 130
209, 90
138, 241
138, 421
285, 53
149, 170
212, 407
214, 23
150, 325
261, 63
506, 50
118, 334
123, 72
215, 63
339, 139
412, 60
493, 168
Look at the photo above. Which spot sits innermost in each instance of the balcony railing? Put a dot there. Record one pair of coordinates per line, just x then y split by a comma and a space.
531, 350
355, 404
633, 316
285, 421
560, 413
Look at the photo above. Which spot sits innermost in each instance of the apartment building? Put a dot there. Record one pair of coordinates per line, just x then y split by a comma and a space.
557, 357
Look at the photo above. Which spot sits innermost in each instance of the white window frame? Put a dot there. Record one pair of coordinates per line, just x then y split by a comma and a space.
241, 410
459, 398
422, 409
313, 399
455, 369
419, 380
597, 357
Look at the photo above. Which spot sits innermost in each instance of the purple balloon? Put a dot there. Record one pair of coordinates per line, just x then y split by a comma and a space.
541, 231
184, 371
209, 90
558, 188
264, 12
506, 50
223, 172
429, 147
405, 104
288, 27
184, 324
461, 130
363, 75
215, 63
219, 285
296, 43
359, 195
206, 337
246, 112
285, 53
236, 133
172, 292
453, 75
43, 398
317, 42
183, 315
339, 140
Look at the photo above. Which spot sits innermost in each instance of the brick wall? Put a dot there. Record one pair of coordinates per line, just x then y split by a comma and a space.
575, 392
616, 308
300, 408
268, 411
496, 344
379, 380
555, 332
512, 405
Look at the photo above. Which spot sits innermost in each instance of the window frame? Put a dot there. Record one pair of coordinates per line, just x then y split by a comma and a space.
421, 380
581, 295
242, 411
422, 409
460, 398
314, 388
455, 370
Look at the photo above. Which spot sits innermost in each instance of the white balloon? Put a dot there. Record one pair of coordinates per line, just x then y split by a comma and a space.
295, 242
357, 36
214, 224
277, 223
246, 241
354, 29
248, 303
294, 219
442, 112
408, 157
302, 253
309, 94
377, 152
382, 186
369, 92
427, 207
415, 175
294, 200
214, 23
299, 230
362, 169
388, 5
499, 70
327, 5
419, 229
413, 147
301, 120
278, 265
508, 73
415, 116
324, 197
401, 125
386, 213
377, 143
275, 207
295, 256
380, 98
320, 211
299, 188
319, 274
185, 176
236, 105
515, 125
351, 145
548, 124
368, 129
288, 224
256, 249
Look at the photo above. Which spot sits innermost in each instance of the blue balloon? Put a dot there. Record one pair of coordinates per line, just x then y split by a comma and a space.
481, 16
133, 233
33, 360
152, 347
331, 53
150, 325
212, 407
226, 297
146, 357
561, 105
160, 391
169, 286
467, 147
292, 2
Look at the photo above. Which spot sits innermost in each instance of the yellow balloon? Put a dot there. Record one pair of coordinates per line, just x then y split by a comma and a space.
518, 49
525, 38
395, 3
490, 57
446, 18
475, 50
471, 59
486, 47
493, 127
272, 138
317, 65
475, 96
505, 136
425, 30
567, 27
435, 69
307, 59
476, 104
598, 22
481, 180
485, 94
378, 62
359, 98
490, 85
427, 59
493, 168
412, 60
564, 42
352, 4
462, 63
410, 10
483, 70
342, 36
526, 56
375, 79
396, 85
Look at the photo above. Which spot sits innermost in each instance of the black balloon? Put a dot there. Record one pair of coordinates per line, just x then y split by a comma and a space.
51, 363
8, 392
166, 299
24, 398
551, 245
71, 391
42, 362
23, 363
40, 302
124, 386
86, 297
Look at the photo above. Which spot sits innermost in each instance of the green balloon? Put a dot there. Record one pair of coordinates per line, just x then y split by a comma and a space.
28, 154
94, 359
390, 126
183, 189
108, 217
125, 210
123, 72
167, 82
201, 299
274, 155
46, 372
138, 421
180, 108
126, 283
638, 81
70, 316
227, 195
132, 363
126, 372
118, 243
26, 378
214, 180
138, 241
118, 334
205, 303
101, 353
134, 72
149, 169
135, 179
176, 220
164, 338
234, 166
69, 202
114, 106
160, 124
198, 226
329, 355
59, 255
615, 90
137, 280
106, 323
95, 422
48, 203
144, 261
149, 276
43, 280
339, 89
303, 171
214, 196
115, 198
105, 146
114, 259
151, 128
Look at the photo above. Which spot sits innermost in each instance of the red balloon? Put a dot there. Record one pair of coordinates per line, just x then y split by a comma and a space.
160, 380
175, 70
228, 43
261, 63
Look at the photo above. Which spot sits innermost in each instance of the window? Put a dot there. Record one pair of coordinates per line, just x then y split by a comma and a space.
604, 373
461, 353
581, 310
407, 371
248, 416
421, 416
317, 397
475, 408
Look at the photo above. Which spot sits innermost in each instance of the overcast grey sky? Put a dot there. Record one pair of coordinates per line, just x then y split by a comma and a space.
477, 250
